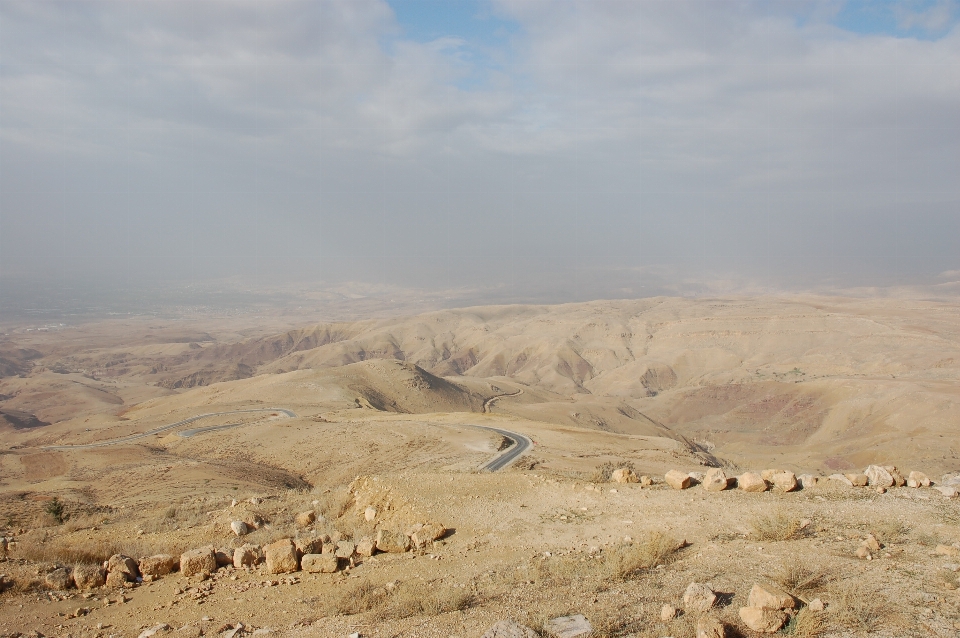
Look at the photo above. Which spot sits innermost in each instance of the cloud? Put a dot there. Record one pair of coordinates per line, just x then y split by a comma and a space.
750, 135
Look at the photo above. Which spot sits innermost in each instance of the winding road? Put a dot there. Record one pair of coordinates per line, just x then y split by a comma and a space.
185, 433
518, 442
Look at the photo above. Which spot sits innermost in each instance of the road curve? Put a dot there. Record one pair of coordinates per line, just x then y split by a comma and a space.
518, 442
134, 437
518, 445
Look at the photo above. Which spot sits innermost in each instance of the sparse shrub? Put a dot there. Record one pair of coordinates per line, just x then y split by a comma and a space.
603, 473
335, 504
805, 624
778, 526
55, 509
408, 600
796, 577
857, 608
627, 560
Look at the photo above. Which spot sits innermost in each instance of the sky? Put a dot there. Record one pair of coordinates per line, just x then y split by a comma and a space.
601, 147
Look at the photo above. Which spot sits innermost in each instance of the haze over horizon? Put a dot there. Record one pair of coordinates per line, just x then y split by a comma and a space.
549, 150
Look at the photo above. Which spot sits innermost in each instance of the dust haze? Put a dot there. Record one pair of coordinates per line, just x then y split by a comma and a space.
479, 318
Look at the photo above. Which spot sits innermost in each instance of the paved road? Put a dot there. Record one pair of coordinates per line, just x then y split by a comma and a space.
518, 442
519, 445
134, 437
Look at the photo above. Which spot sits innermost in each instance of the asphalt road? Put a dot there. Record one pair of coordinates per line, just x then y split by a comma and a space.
520, 444
134, 437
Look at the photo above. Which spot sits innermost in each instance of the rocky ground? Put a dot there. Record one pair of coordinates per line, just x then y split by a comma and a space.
525, 545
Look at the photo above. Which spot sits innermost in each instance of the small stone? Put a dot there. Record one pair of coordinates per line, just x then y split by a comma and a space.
568, 627
305, 519
281, 557
370, 514
698, 598
319, 563
668, 612
509, 629
428, 533
863, 552
149, 633
239, 528
871, 543
763, 620
345, 549
646, 481
815, 605
807, 481
715, 480
947, 490
710, 627
881, 490
678, 480
751, 482
918, 479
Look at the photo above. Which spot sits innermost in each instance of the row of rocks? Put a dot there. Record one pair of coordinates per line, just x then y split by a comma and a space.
879, 477
767, 609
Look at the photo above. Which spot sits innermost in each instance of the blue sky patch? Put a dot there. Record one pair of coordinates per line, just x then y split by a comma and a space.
920, 19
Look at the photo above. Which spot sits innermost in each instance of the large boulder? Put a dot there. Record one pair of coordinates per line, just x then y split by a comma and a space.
366, 547
751, 482
715, 480
698, 598
392, 542
198, 561
239, 528
427, 533
345, 549
878, 476
784, 481
247, 556
123, 564
118, 579
624, 475
158, 565
858, 480
766, 597
898, 480
281, 557
765, 621
319, 563
88, 576
710, 627
918, 479
308, 545
509, 629
807, 481
678, 480
59, 579
841, 478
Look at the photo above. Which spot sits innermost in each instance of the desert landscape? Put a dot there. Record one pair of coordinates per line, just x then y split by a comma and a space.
656, 467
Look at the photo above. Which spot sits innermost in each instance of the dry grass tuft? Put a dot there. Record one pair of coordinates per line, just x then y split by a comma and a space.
626, 561
778, 526
67, 551
890, 531
335, 504
404, 601
857, 608
795, 576
806, 624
